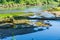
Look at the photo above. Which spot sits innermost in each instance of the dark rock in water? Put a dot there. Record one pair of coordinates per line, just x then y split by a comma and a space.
47, 21
48, 24
47, 27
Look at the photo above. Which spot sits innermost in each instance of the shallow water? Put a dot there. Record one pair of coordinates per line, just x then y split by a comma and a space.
27, 9
53, 33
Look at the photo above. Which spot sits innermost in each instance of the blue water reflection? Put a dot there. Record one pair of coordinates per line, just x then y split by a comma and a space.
53, 33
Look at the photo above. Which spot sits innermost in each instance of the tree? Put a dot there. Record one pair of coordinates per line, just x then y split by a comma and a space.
59, 3
16, 1
3, 1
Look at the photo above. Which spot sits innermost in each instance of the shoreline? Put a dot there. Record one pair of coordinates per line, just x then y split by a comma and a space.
56, 13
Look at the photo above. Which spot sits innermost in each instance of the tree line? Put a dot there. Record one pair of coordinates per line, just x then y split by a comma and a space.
27, 2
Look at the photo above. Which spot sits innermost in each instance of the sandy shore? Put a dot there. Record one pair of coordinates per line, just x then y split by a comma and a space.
57, 13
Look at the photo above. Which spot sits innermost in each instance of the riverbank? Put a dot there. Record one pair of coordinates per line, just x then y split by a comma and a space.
17, 6
11, 14
57, 13
23, 24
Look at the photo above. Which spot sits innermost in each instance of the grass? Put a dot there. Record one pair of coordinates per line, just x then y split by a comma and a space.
4, 15
10, 14
41, 24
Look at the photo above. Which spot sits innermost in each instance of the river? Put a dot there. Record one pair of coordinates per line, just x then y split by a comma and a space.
53, 33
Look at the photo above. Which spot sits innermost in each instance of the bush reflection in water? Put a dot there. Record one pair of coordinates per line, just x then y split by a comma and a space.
20, 30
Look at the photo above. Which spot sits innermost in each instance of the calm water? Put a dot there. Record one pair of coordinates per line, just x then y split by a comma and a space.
27, 9
53, 33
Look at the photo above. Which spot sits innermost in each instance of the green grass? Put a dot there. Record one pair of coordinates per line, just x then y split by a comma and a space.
10, 14
4, 15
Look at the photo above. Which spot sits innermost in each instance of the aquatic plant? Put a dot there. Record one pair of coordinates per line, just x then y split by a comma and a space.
13, 36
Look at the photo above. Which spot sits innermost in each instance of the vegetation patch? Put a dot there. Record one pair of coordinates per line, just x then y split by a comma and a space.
4, 15
54, 9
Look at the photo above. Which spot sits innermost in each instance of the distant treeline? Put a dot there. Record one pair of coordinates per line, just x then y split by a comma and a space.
29, 2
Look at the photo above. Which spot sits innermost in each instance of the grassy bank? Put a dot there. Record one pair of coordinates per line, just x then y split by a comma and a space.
3, 15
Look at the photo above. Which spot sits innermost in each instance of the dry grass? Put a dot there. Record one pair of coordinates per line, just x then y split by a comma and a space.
40, 24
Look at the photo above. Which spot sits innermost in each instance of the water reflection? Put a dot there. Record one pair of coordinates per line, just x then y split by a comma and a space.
19, 31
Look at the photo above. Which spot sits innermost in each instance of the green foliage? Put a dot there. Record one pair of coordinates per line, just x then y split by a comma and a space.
29, 1
3, 1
